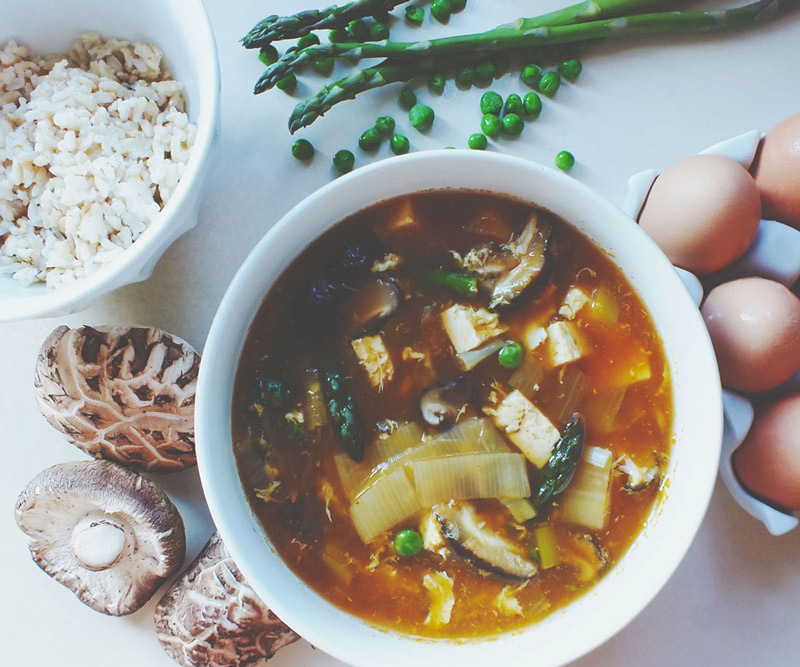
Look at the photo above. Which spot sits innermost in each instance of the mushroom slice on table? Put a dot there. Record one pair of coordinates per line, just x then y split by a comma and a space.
105, 532
469, 537
121, 393
211, 616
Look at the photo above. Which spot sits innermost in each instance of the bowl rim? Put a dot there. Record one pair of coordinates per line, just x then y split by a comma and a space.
48, 301
242, 535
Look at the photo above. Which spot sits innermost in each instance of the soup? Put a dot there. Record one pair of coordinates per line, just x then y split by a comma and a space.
452, 414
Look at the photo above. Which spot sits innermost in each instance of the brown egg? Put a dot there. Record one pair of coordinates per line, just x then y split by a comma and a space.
768, 462
703, 212
755, 327
777, 172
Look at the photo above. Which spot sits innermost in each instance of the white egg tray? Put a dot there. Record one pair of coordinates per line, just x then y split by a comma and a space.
774, 254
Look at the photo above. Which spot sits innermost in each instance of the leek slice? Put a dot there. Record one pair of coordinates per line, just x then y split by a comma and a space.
470, 476
573, 387
387, 501
471, 436
521, 509
547, 547
528, 376
316, 412
586, 499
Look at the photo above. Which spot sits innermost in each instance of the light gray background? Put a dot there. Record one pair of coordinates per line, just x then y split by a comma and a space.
735, 600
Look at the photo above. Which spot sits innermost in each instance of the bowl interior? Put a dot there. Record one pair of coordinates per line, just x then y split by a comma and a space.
625, 590
180, 29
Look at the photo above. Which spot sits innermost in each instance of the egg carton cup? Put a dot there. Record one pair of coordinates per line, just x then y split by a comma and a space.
774, 254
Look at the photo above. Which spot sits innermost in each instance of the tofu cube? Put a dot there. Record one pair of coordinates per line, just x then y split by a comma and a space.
527, 427
575, 299
374, 358
534, 336
565, 343
468, 327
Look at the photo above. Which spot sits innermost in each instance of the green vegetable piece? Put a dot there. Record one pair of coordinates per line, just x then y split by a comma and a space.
343, 161
415, 14
294, 428
550, 83
510, 355
407, 99
421, 117
378, 31
532, 105
370, 140
342, 410
485, 71
287, 84
436, 84
399, 144
307, 40
458, 5
491, 125
462, 283
324, 67
358, 30
513, 124
268, 54
571, 69
441, 10
465, 77
531, 75
565, 160
408, 542
302, 149
477, 142
560, 467
491, 102
385, 125
513, 105
338, 35
534, 555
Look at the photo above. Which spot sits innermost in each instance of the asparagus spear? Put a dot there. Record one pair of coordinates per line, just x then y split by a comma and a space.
505, 38
274, 28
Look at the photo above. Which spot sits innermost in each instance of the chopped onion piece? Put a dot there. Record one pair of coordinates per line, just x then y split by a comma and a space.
586, 499
387, 501
521, 509
472, 358
528, 376
470, 476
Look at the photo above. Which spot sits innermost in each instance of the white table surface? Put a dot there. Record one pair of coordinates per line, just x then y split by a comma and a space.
735, 600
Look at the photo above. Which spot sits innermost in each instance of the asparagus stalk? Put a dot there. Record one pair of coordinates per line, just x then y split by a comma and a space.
274, 28
505, 38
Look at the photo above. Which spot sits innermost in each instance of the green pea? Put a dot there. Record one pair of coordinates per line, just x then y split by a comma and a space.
408, 542
415, 14
436, 84
485, 71
513, 105
550, 83
513, 124
532, 105
477, 141
407, 98
570, 69
302, 149
531, 75
458, 5
465, 77
338, 35
565, 160
378, 31
324, 67
510, 355
399, 144
370, 140
268, 55
491, 102
385, 125
359, 30
287, 84
441, 10
491, 125
421, 117
343, 161
307, 40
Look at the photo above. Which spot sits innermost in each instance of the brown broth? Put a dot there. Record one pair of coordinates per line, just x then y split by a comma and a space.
371, 580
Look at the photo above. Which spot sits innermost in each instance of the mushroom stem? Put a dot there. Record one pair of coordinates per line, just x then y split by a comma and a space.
97, 543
